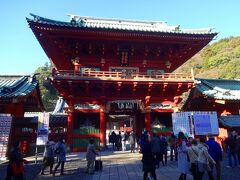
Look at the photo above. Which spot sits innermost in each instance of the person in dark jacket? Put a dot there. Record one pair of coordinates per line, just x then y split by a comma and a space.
163, 149
172, 143
132, 141
215, 151
231, 149
148, 160
15, 162
238, 147
155, 143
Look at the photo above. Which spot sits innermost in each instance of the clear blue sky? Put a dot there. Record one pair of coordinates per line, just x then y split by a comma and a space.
20, 52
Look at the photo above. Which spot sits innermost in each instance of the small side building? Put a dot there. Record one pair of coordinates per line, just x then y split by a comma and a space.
19, 94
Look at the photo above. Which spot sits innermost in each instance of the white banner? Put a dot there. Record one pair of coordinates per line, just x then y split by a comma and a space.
5, 128
183, 122
43, 127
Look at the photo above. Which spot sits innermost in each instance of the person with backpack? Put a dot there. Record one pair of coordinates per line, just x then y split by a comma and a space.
48, 156
60, 151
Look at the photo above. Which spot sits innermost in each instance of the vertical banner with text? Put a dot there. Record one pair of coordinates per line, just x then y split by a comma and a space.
43, 127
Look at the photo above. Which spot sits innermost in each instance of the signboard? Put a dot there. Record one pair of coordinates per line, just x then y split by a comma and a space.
195, 123
124, 106
5, 127
205, 123
43, 127
183, 122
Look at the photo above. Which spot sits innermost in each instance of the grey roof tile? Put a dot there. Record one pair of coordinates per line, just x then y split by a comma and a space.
219, 88
15, 86
118, 24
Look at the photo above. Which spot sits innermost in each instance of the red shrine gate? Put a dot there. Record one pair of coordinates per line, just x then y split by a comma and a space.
106, 68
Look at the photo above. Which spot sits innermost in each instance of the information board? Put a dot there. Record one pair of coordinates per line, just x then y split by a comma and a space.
182, 121
5, 128
206, 123
195, 123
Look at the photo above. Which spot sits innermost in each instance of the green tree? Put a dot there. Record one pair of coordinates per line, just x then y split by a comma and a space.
48, 91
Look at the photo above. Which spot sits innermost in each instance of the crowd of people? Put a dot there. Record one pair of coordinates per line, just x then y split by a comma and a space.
192, 155
197, 156
119, 141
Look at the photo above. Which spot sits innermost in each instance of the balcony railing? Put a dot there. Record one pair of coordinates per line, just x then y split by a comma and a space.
108, 75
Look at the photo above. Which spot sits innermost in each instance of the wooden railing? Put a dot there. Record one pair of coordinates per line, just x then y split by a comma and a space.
108, 75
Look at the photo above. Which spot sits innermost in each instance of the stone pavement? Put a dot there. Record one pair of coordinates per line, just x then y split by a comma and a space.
118, 165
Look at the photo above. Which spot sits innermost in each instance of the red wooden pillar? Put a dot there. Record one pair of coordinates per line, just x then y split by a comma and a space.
102, 127
147, 114
70, 130
148, 121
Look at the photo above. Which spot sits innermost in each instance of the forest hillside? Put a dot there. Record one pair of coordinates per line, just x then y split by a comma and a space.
218, 60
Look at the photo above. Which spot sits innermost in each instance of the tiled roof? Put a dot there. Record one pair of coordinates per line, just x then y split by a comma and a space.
15, 86
119, 24
230, 121
219, 88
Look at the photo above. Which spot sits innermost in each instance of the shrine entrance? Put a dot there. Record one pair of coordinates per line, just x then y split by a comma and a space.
125, 115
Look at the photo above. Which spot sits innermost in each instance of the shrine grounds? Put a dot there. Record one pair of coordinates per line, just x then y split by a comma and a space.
117, 165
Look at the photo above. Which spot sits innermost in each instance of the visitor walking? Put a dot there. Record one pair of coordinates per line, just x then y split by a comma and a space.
155, 143
182, 156
215, 151
132, 140
125, 139
163, 149
15, 167
172, 144
148, 160
91, 157
231, 143
48, 156
205, 161
238, 148
60, 151
193, 157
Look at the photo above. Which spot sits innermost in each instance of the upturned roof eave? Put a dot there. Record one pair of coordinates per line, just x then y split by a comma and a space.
79, 25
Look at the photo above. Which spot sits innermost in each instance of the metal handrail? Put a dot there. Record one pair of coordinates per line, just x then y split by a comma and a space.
105, 75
